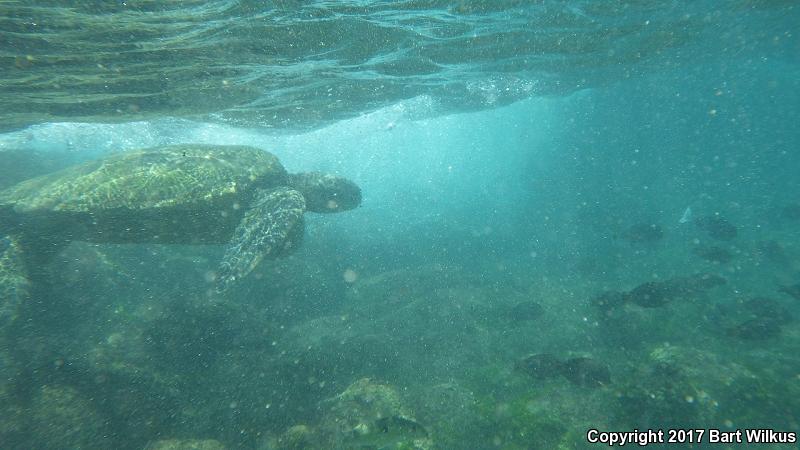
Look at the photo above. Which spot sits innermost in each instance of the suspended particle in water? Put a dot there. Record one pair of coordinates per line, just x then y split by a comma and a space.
350, 276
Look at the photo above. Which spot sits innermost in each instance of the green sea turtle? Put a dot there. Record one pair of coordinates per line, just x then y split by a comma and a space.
181, 194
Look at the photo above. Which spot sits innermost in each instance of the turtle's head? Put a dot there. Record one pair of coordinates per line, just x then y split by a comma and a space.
326, 193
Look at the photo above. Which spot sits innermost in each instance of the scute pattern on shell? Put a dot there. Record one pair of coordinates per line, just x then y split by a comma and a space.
185, 176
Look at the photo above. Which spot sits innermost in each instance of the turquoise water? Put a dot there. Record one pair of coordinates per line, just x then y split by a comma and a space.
575, 216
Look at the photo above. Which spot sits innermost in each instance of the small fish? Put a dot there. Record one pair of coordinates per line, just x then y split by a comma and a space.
756, 329
772, 251
643, 232
525, 311
387, 432
793, 290
653, 294
581, 371
700, 282
400, 424
586, 372
541, 366
713, 253
768, 308
609, 300
717, 227
687, 215
791, 212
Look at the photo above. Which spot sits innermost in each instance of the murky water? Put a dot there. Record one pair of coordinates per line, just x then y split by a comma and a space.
574, 216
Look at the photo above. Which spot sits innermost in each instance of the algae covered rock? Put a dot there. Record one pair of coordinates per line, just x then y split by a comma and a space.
678, 386
186, 444
63, 417
14, 283
371, 413
297, 437
367, 414
10, 411
450, 412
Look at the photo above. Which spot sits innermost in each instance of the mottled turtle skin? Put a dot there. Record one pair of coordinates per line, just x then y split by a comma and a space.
182, 194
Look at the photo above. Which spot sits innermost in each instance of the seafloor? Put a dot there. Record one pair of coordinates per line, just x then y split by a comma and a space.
310, 358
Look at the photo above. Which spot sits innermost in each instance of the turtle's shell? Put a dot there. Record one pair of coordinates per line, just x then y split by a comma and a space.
161, 177
164, 194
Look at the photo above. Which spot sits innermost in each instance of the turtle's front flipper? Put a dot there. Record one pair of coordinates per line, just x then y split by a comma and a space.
272, 225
